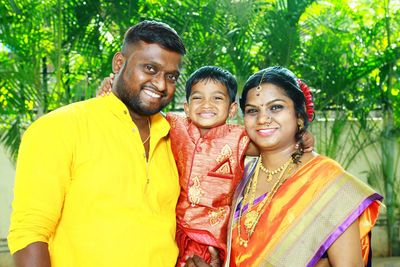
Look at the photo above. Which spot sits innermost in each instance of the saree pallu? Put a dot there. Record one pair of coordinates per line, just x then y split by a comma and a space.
305, 217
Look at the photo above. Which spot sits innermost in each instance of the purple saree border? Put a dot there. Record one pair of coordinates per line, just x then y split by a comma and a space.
353, 216
256, 201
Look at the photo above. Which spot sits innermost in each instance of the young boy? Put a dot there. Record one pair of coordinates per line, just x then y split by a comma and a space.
210, 158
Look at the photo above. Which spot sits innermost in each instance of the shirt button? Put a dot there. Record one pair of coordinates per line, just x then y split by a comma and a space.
134, 130
198, 149
125, 112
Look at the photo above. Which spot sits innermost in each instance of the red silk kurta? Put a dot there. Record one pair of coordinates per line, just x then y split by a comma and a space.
210, 167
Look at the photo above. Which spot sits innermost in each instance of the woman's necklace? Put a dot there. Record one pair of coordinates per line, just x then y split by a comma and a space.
252, 217
269, 173
148, 137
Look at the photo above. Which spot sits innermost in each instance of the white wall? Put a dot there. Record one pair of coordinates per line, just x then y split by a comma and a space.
7, 174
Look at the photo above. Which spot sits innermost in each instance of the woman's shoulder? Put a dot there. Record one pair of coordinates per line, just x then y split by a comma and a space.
321, 160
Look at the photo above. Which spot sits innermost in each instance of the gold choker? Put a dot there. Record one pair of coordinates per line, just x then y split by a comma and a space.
272, 173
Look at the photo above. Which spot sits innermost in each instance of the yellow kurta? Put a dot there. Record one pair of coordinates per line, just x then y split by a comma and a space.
83, 185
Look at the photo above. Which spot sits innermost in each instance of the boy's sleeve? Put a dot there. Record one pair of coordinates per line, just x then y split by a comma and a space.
42, 177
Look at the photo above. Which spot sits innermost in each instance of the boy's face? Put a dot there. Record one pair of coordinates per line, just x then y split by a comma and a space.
209, 105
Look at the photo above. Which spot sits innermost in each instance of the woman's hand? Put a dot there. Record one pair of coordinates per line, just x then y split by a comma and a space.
196, 261
105, 86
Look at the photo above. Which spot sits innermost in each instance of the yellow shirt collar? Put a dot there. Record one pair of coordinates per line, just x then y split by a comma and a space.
159, 125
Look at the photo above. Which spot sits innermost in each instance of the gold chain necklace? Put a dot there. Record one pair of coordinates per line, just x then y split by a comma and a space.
251, 221
148, 137
272, 173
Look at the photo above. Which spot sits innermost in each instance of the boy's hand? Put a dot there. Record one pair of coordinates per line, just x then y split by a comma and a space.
105, 86
196, 261
308, 141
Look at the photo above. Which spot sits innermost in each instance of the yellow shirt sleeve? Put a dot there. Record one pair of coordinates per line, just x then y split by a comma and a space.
42, 177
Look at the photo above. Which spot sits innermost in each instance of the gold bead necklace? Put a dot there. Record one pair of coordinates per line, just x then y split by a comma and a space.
271, 173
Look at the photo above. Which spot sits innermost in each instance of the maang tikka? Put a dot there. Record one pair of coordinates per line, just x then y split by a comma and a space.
258, 88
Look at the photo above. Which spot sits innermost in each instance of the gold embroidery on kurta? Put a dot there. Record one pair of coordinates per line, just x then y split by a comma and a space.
225, 153
172, 121
225, 168
195, 191
244, 141
216, 216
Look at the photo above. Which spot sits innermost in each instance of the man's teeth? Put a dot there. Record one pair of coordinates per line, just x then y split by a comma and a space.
150, 93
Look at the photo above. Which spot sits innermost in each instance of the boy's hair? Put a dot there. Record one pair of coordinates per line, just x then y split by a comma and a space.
212, 73
154, 32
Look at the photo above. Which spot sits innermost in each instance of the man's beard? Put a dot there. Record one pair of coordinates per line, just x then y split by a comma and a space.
133, 101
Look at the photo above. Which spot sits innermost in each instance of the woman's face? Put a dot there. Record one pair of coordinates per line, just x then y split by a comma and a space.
270, 118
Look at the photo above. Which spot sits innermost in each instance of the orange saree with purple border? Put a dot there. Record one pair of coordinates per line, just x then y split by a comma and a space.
307, 214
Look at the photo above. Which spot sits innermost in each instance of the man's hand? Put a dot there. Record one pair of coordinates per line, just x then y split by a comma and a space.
196, 261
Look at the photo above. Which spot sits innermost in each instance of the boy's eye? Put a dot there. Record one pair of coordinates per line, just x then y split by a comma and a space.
219, 98
250, 111
196, 97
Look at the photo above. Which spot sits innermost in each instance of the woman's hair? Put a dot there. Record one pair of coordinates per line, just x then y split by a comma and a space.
288, 82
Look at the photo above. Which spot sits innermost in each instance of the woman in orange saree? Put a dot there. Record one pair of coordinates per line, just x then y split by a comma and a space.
294, 208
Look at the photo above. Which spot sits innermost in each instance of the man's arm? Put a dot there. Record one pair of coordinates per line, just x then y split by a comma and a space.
34, 255
41, 180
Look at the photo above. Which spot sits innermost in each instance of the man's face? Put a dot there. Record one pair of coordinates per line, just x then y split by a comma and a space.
146, 81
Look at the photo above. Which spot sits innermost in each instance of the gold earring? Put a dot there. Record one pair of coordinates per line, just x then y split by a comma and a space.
300, 124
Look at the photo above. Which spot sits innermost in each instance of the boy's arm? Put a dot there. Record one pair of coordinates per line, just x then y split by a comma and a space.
308, 142
105, 86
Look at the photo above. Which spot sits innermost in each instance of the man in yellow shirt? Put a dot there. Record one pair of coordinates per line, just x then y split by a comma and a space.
96, 181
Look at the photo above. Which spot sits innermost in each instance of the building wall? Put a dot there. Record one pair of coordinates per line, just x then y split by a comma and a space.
7, 173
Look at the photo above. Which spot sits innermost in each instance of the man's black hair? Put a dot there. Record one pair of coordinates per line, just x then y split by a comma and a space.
151, 32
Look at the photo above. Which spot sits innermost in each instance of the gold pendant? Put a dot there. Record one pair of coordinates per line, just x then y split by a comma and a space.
251, 218
243, 242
